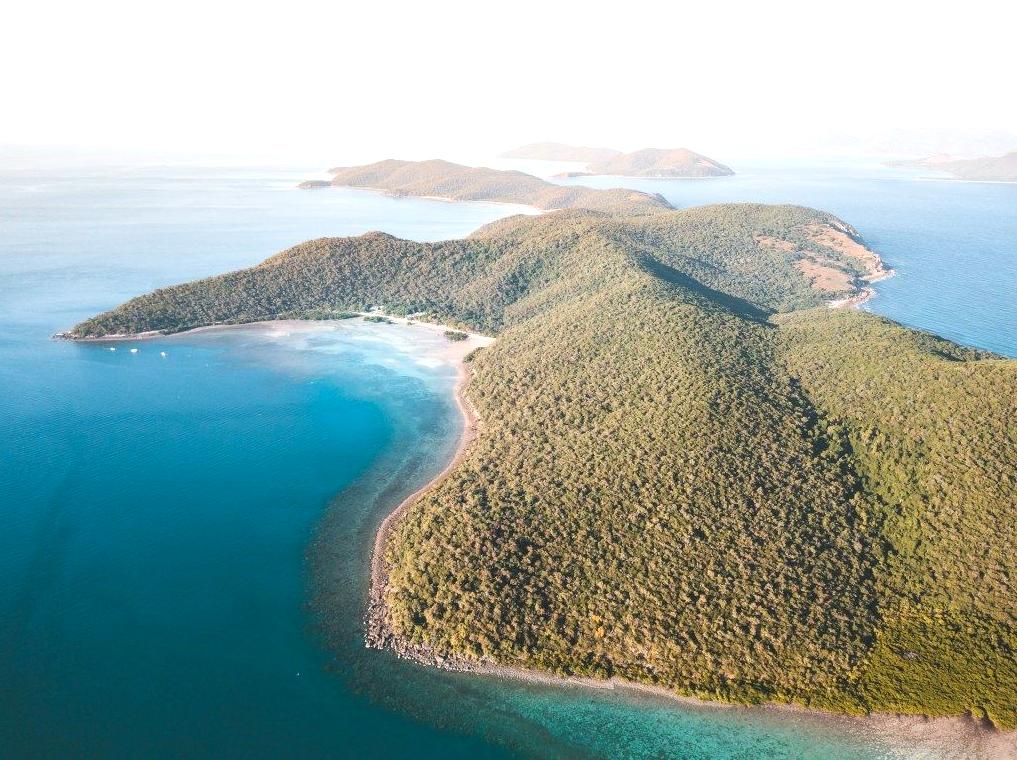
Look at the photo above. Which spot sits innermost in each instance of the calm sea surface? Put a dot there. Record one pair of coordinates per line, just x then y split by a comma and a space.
168, 523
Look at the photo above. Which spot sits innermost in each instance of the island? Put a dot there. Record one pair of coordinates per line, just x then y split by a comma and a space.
989, 169
445, 180
680, 467
649, 162
655, 162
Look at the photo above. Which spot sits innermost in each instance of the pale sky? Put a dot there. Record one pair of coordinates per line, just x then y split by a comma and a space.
342, 81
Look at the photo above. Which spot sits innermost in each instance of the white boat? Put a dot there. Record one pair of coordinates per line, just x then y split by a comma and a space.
112, 348
162, 354
134, 350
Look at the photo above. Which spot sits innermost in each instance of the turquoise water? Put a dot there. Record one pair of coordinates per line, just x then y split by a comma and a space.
156, 512
179, 577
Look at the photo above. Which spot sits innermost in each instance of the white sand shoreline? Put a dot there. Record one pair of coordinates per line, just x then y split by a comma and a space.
474, 340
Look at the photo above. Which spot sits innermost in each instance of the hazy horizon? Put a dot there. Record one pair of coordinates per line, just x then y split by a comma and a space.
661, 455
320, 84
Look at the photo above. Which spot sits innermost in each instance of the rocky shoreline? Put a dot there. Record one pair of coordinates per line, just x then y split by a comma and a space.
378, 633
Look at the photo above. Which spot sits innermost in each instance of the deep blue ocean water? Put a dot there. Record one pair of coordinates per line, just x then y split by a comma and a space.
169, 524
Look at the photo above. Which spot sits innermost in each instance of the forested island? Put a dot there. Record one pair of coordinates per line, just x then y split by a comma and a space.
688, 471
649, 162
654, 162
448, 181
989, 169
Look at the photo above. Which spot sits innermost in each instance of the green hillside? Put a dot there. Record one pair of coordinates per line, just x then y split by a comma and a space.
932, 428
504, 271
686, 474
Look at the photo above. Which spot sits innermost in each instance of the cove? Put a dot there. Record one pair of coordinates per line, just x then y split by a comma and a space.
185, 539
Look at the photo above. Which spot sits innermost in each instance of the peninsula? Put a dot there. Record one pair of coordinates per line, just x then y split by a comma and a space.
989, 169
687, 471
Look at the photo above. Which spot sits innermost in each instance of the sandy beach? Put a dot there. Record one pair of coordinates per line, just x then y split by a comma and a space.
377, 632
453, 351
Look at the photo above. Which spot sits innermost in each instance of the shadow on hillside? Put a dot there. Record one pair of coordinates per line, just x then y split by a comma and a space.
738, 306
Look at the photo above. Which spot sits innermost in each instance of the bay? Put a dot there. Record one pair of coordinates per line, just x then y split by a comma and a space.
184, 538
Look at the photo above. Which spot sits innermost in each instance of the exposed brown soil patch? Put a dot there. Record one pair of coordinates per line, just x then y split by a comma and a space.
823, 277
775, 243
841, 242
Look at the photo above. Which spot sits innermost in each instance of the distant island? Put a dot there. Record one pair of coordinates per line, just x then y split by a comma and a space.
654, 162
989, 169
684, 469
448, 181
649, 162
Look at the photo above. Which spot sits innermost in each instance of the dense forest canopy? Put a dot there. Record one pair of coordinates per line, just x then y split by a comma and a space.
689, 471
